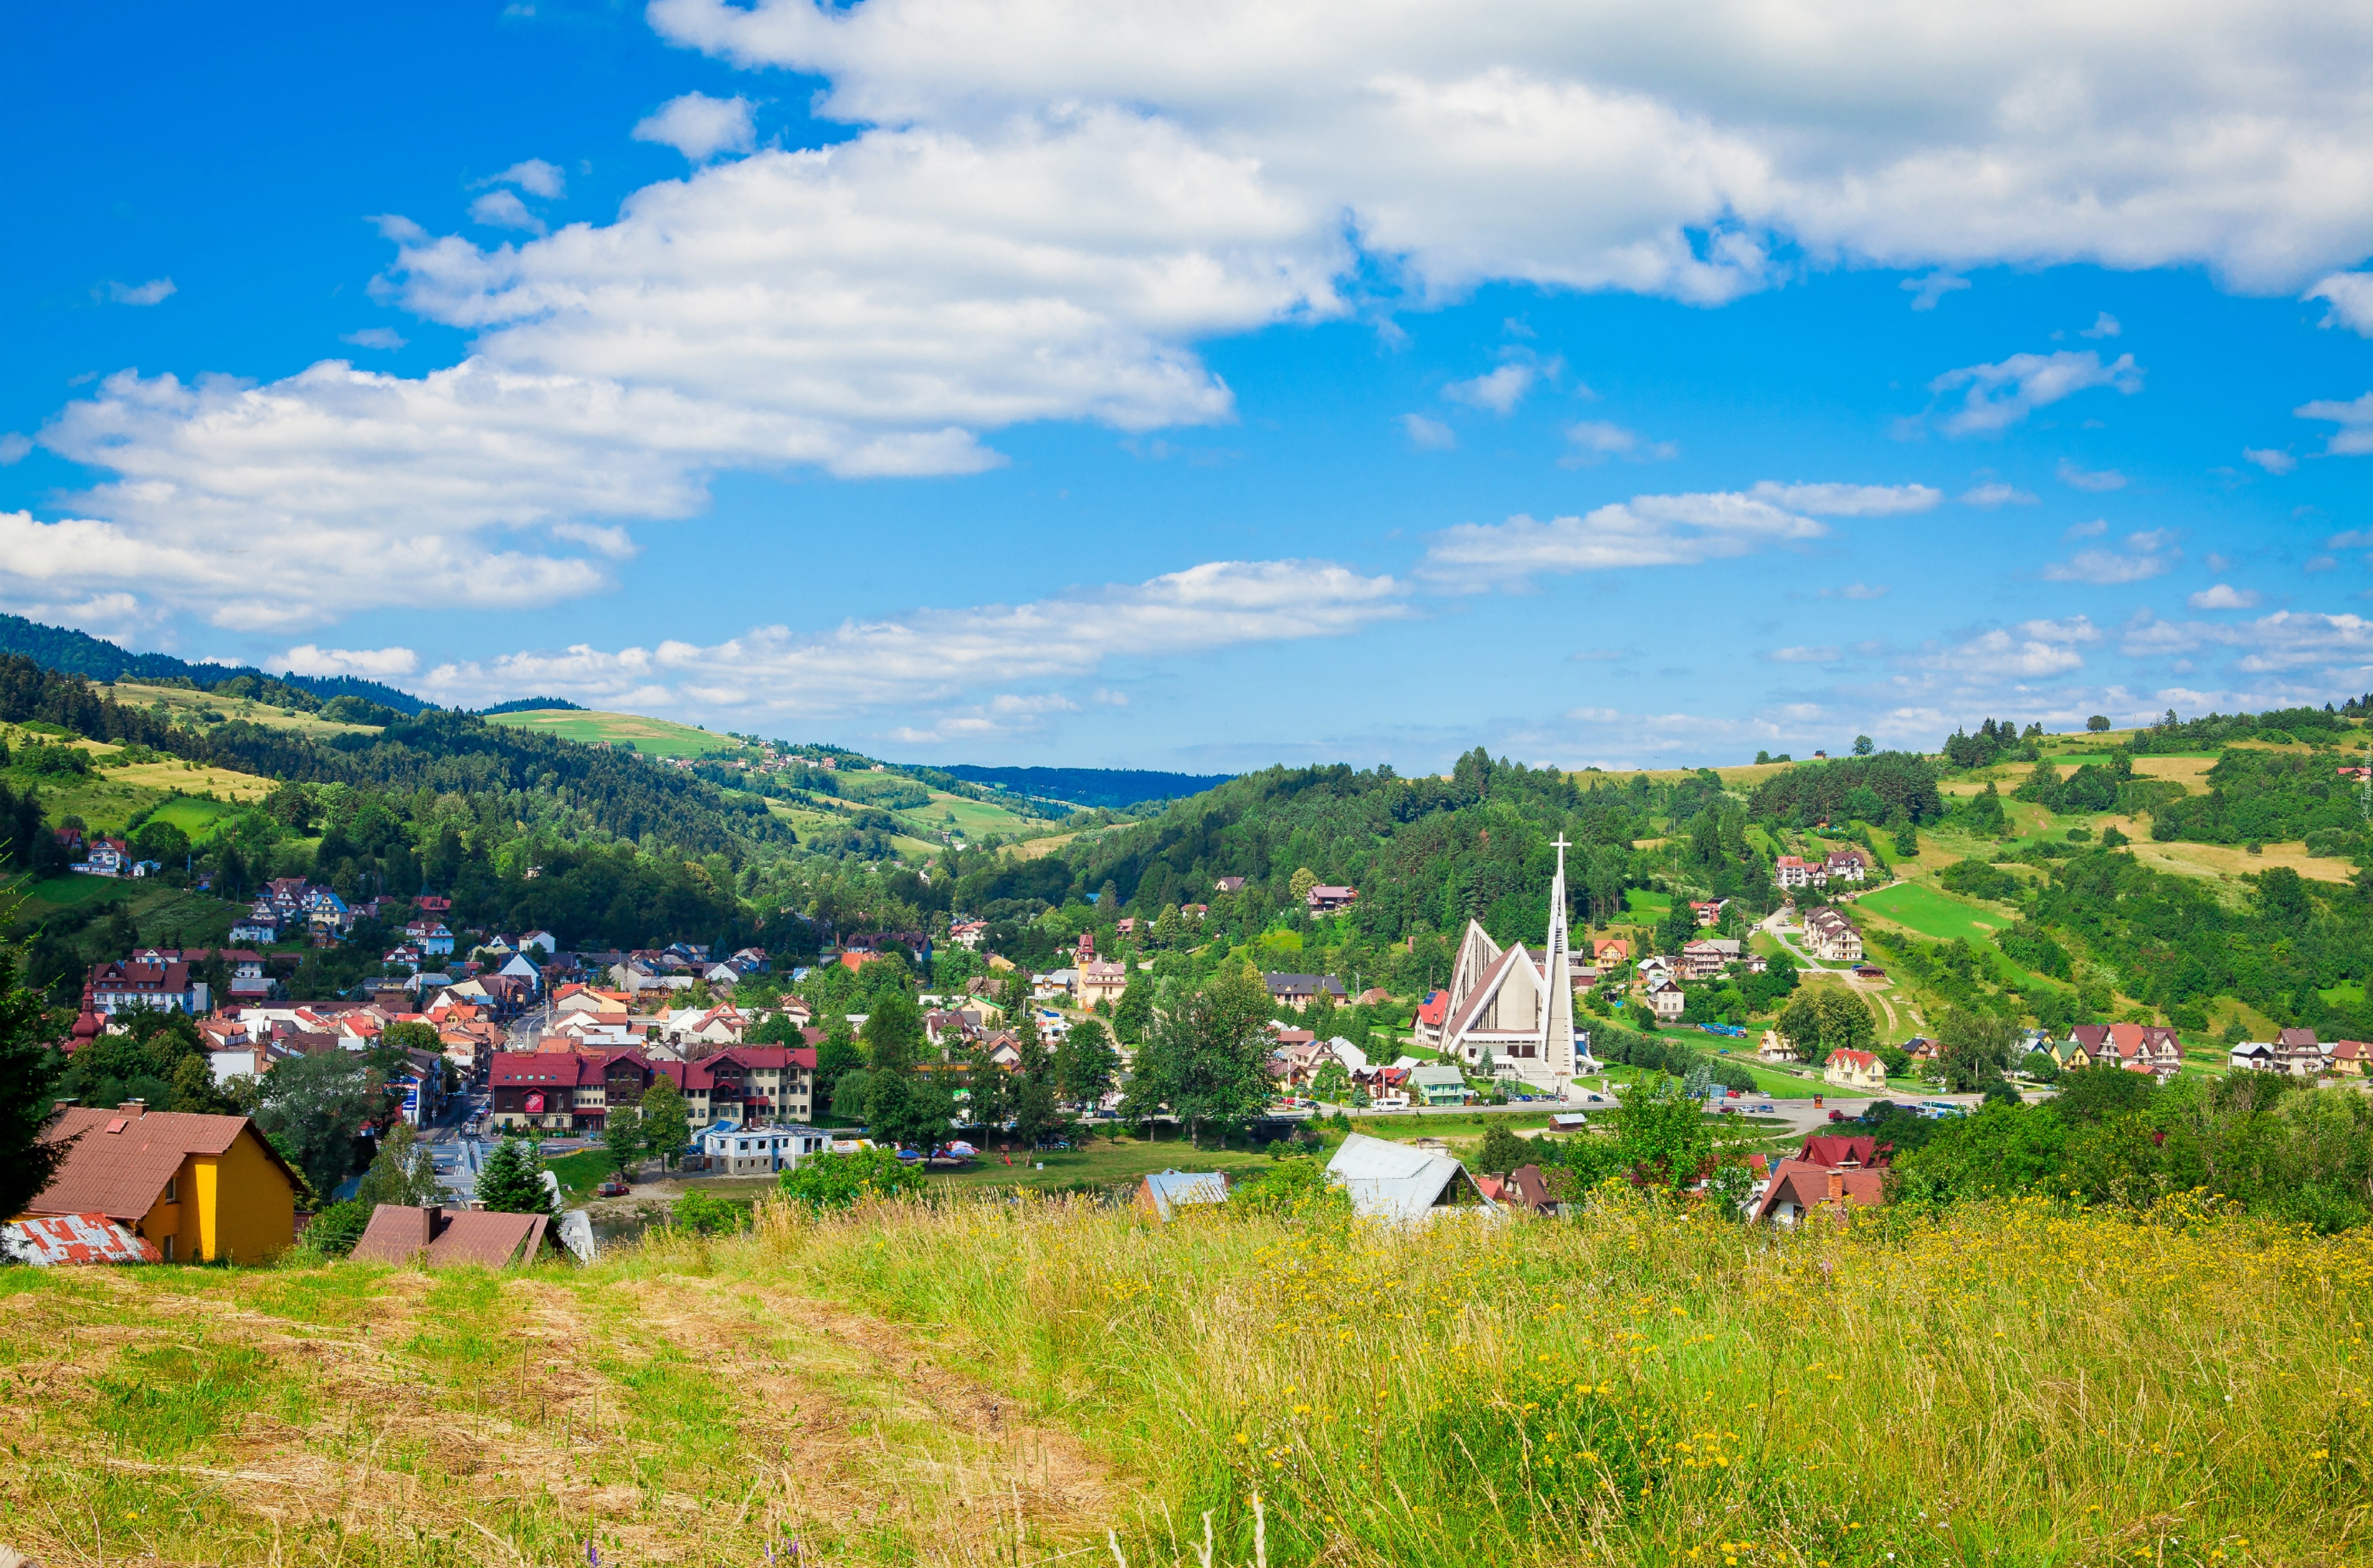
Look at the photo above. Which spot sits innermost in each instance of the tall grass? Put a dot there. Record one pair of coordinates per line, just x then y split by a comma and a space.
2015, 1383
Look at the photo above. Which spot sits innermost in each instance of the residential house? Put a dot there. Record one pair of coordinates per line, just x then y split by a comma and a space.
1666, 997
1790, 871
1799, 1190
2298, 1053
261, 925
430, 937
106, 857
435, 1238
1163, 1193
1297, 992
1431, 1012
1832, 937
1707, 956
203, 1188
1326, 899
130, 983
1708, 914
1845, 865
1656, 967
1855, 1070
967, 934
1438, 1083
1851, 1153
2348, 1057
2143, 1047
541, 938
1607, 951
1100, 981
2253, 1056
1776, 1048
1229, 885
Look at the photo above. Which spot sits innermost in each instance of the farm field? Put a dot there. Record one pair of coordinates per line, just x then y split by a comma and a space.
179, 699
974, 819
2233, 860
201, 918
652, 737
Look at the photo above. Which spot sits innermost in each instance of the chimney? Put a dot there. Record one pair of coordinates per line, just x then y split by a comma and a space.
1838, 1187
133, 1108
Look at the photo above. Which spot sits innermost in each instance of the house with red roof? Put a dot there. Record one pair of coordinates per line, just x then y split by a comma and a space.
1855, 1070
1799, 1190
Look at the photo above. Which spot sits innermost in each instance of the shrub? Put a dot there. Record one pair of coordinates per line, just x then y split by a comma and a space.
705, 1213
840, 1181
335, 1231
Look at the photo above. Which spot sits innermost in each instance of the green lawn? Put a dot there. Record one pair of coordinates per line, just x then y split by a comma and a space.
974, 819
2347, 993
1101, 1164
652, 737
1932, 912
1639, 901
195, 816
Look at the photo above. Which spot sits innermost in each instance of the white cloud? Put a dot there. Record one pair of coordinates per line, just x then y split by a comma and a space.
1666, 149
1848, 500
1499, 391
2030, 650
2149, 554
2104, 325
2273, 459
374, 337
2001, 396
1595, 441
503, 209
2355, 436
1647, 531
2092, 529
700, 126
375, 664
1823, 654
1428, 435
2350, 295
1852, 591
156, 291
535, 176
1926, 291
15, 448
1996, 494
2223, 596
2078, 479
933, 656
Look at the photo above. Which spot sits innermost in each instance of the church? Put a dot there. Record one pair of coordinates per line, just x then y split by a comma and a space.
1510, 1014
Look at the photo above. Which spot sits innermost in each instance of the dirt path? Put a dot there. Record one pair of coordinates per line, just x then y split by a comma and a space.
674, 1418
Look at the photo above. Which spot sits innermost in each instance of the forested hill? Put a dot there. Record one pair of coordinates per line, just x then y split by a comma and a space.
77, 654
1112, 787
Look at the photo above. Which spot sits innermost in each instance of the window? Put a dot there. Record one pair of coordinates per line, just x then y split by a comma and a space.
173, 1189
168, 1248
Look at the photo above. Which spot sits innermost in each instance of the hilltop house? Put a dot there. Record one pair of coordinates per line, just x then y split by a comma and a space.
130, 983
1325, 899
1832, 937
203, 1188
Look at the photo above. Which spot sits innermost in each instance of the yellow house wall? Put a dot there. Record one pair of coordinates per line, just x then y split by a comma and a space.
245, 1207
174, 1218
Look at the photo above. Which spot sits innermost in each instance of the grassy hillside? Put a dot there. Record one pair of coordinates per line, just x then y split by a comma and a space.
652, 737
1035, 1382
181, 705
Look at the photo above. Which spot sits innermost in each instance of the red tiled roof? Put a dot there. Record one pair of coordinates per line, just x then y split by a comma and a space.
1808, 1186
437, 1237
1828, 1151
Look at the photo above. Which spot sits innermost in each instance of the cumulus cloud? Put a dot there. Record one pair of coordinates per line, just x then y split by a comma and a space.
1996, 493
2002, 394
2030, 650
700, 126
2223, 596
156, 291
1665, 149
2350, 295
1499, 391
2273, 459
374, 663
2355, 436
933, 656
1595, 441
535, 176
2101, 480
374, 337
1647, 531
1428, 435
2149, 554
2104, 325
503, 209
1926, 291
15, 448
1848, 500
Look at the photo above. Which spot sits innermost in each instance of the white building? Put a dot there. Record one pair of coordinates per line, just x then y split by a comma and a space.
735, 1150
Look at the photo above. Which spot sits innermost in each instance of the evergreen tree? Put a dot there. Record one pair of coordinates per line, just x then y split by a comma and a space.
1502, 1151
30, 1067
511, 1181
1037, 1118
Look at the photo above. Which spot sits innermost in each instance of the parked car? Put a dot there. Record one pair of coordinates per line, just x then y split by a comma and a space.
612, 1187
1836, 1115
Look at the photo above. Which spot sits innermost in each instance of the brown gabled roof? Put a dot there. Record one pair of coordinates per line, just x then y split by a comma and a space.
1808, 1185
122, 1160
440, 1238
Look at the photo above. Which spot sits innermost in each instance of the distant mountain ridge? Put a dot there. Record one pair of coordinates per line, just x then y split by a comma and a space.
79, 653
1111, 787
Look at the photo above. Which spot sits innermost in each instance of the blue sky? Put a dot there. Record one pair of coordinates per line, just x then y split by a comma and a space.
1208, 388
